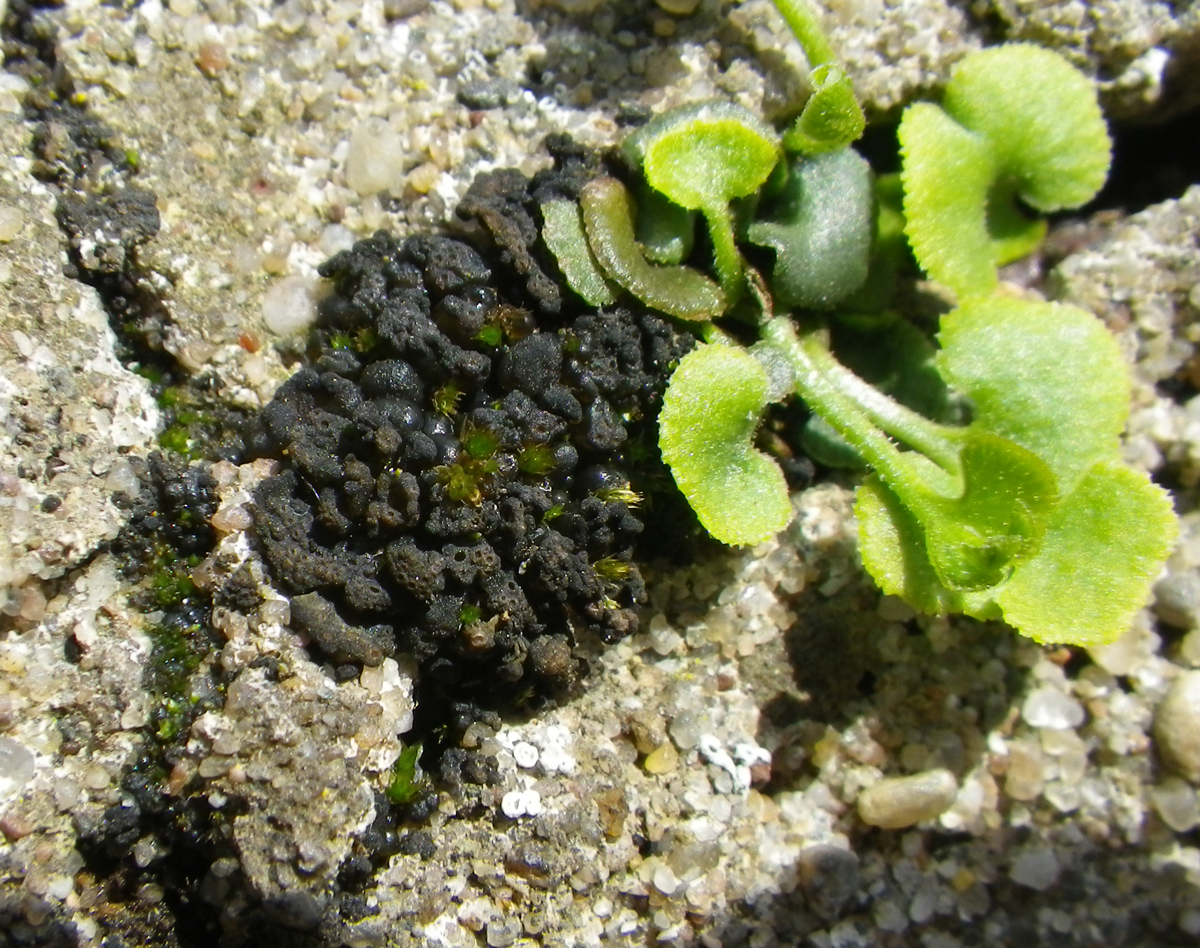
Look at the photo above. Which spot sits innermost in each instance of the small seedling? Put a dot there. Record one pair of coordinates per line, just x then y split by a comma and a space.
1025, 511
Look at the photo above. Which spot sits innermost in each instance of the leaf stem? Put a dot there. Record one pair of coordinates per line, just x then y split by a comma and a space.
725, 252
805, 24
862, 414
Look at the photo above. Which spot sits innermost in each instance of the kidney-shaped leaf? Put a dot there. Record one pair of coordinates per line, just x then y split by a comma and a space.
1047, 376
820, 228
710, 412
703, 156
947, 174
1042, 118
1104, 546
974, 540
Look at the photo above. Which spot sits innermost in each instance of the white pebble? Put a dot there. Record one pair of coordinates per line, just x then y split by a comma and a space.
712, 751
1189, 921
1036, 868
525, 754
290, 305
665, 880
1049, 707
557, 761
518, 803
336, 238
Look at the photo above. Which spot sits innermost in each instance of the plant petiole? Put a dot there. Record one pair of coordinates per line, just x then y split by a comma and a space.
866, 417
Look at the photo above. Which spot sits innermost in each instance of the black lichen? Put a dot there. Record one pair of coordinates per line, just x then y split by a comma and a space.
465, 456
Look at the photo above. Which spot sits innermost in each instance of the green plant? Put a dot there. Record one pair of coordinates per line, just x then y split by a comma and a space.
406, 781
997, 485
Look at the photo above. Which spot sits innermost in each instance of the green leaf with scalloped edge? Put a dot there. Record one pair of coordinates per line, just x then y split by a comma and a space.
710, 412
1017, 122
703, 156
892, 547
1041, 118
832, 117
1048, 376
996, 519
1104, 547
947, 173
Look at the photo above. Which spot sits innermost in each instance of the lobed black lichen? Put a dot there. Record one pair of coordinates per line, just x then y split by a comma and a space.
465, 455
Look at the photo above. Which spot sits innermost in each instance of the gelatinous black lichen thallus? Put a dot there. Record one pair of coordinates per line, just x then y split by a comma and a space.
464, 460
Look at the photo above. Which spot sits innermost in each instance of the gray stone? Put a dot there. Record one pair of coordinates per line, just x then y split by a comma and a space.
1144, 52
829, 876
1177, 726
1177, 599
68, 409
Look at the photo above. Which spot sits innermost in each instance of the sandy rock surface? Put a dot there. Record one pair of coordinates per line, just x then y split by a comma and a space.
723, 776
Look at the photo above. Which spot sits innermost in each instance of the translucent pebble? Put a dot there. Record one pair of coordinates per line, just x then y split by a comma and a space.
375, 161
502, 932
1037, 868
1064, 797
1049, 707
686, 729
232, 519
665, 880
897, 802
1189, 922
1057, 743
1026, 771
889, 917
16, 767
121, 478
12, 219
664, 759
1177, 726
290, 305
1175, 801
336, 238
96, 777
922, 907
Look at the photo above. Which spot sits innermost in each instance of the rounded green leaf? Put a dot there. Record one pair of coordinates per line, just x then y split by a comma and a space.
710, 412
820, 227
947, 174
892, 547
1104, 547
1047, 376
703, 156
975, 540
1041, 118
